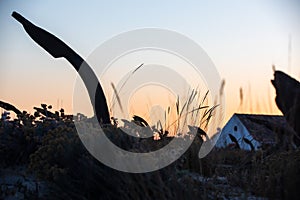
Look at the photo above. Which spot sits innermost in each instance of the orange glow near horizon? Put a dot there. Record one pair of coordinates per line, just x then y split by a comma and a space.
243, 40
261, 102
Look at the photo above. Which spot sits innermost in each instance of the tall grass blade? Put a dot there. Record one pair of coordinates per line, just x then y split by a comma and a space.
117, 96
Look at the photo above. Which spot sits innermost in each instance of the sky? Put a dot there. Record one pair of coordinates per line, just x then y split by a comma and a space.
242, 38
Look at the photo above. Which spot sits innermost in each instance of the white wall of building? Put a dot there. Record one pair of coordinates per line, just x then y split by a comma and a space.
236, 128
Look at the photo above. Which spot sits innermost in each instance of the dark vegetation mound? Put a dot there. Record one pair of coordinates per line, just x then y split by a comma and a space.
50, 150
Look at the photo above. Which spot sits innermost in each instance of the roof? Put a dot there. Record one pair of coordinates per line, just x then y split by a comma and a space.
263, 128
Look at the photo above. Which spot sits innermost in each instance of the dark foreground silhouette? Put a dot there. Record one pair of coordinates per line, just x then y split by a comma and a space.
57, 49
288, 100
44, 159
8, 106
41, 157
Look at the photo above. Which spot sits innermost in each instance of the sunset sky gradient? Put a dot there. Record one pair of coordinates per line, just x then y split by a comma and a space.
243, 39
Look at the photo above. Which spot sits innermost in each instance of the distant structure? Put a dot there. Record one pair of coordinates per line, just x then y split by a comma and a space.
252, 132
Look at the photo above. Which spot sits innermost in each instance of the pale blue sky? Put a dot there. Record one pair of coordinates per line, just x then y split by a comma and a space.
243, 38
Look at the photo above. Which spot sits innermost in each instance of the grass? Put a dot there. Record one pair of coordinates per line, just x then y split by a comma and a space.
47, 145
192, 110
50, 149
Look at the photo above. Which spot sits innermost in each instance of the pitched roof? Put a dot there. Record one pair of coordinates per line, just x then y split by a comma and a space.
263, 127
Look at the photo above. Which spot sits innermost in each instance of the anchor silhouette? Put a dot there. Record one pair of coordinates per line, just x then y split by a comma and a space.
57, 48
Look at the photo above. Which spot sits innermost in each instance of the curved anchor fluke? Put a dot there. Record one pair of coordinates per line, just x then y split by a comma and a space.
57, 49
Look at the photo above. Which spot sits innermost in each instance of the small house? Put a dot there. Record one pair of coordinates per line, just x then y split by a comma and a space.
251, 131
